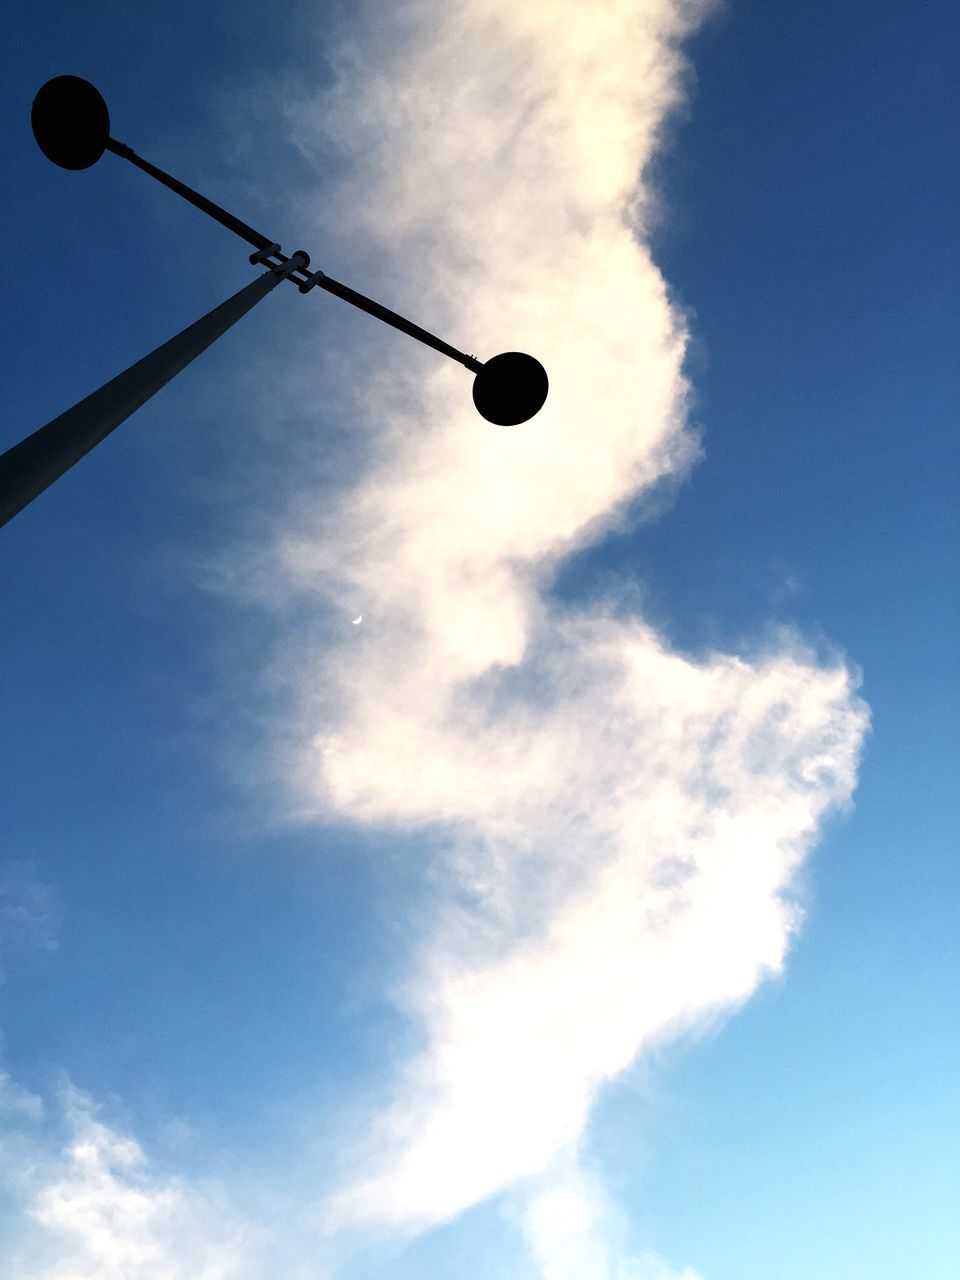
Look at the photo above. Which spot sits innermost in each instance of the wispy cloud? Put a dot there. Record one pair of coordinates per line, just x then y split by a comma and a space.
619, 824
29, 912
16, 1102
574, 1233
94, 1207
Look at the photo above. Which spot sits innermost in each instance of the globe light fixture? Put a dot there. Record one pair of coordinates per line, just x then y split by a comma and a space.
70, 122
510, 388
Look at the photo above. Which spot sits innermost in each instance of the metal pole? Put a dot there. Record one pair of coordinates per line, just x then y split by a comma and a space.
36, 462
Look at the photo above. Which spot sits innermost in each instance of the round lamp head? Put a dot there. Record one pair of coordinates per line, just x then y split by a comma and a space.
510, 388
70, 122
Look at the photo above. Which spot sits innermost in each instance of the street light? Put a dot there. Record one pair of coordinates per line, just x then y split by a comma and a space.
71, 124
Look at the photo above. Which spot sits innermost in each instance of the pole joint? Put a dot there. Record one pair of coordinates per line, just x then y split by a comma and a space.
286, 268
298, 261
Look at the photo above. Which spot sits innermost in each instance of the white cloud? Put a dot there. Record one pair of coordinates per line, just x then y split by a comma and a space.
96, 1208
621, 823
574, 1234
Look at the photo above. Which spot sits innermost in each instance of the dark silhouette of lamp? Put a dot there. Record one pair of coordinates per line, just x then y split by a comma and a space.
71, 124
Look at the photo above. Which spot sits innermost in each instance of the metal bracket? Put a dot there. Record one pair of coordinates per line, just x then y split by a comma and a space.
313, 279
261, 255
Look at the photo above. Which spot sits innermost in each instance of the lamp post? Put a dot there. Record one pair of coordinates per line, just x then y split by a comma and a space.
71, 124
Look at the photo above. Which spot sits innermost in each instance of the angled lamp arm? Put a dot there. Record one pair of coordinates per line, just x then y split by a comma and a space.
223, 216
266, 248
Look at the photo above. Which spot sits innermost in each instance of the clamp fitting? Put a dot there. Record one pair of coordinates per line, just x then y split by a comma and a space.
313, 279
272, 250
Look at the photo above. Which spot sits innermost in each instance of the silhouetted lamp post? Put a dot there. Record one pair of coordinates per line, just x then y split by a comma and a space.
72, 127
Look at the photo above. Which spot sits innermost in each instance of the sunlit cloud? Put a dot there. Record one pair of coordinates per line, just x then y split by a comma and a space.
618, 824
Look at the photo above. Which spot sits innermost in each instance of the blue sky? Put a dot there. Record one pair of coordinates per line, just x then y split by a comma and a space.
273, 886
